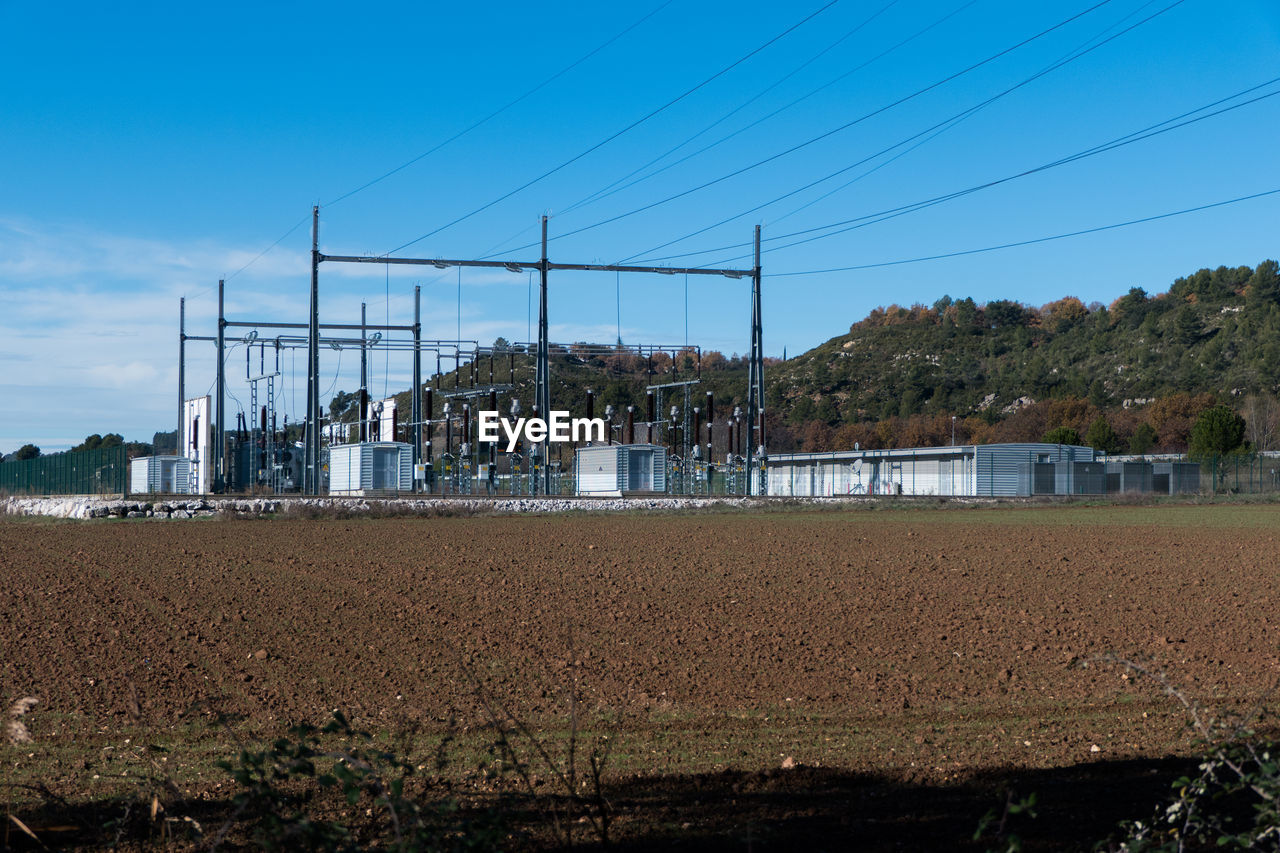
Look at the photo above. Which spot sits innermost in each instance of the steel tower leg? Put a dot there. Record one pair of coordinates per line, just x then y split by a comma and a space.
543, 392
755, 384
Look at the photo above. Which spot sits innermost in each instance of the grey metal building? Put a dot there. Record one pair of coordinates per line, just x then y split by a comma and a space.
983, 470
618, 469
160, 475
370, 468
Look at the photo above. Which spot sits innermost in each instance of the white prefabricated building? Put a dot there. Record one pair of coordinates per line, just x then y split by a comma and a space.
973, 470
168, 475
370, 468
196, 443
613, 470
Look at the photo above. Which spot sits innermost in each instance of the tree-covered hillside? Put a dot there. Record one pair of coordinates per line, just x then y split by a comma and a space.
1009, 371
1130, 376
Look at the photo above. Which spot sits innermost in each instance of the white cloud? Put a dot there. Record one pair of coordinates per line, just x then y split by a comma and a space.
89, 325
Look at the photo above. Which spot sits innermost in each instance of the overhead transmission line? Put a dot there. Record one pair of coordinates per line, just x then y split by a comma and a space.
1157, 129
473, 126
1129, 139
610, 188
812, 140
938, 22
1079, 233
500, 110
613, 188
951, 125
938, 127
619, 133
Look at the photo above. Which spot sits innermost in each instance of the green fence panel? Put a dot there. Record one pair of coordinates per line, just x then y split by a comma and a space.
1239, 473
89, 472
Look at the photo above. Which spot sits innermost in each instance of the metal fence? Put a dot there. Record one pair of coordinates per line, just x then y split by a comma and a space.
89, 472
1240, 473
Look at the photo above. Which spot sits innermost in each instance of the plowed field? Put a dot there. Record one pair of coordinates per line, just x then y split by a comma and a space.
920, 646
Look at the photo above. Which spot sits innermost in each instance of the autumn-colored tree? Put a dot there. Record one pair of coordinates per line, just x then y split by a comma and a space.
1075, 412
974, 430
1172, 417
817, 437
659, 363
714, 360
1063, 314
887, 432
862, 435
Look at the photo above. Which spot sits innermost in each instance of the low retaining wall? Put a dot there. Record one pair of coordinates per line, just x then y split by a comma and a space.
89, 507
185, 508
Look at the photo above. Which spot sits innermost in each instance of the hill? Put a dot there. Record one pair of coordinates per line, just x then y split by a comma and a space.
1146, 365
1009, 371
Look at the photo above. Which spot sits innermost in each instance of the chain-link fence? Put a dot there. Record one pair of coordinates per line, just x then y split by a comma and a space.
1240, 473
89, 472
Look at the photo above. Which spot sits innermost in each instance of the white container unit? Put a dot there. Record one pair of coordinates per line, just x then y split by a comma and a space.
168, 475
370, 468
613, 470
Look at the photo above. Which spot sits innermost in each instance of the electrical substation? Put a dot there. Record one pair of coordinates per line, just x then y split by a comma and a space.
669, 442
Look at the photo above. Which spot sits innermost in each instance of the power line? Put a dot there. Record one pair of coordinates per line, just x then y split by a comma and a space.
755, 123
1157, 129
456, 136
1032, 242
1079, 51
842, 127
500, 110
259, 256
1138, 136
609, 190
940, 126
619, 133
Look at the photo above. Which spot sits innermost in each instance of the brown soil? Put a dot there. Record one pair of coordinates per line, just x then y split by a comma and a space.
889, 655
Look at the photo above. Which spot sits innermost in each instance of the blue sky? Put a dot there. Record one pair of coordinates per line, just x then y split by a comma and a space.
148, 150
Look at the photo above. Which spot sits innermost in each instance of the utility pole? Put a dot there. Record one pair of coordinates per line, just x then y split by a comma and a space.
182, 374
362, 429
219, 484
311, 474
416, 405
543, 392
755, 382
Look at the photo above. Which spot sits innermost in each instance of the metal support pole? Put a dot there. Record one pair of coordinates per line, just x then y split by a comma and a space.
543, 378
221, 384
182, 374
363, 397
312, 474
755, 382
416, 407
